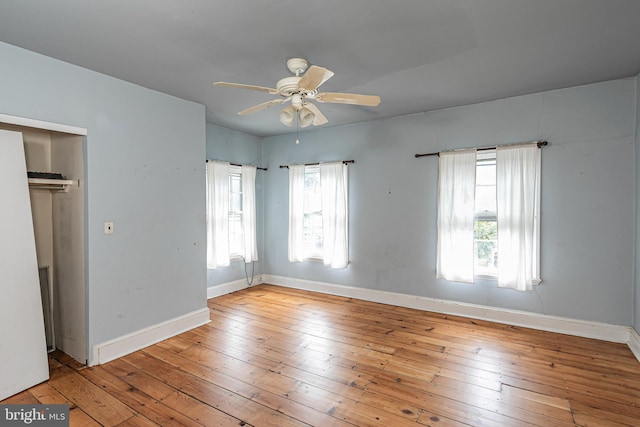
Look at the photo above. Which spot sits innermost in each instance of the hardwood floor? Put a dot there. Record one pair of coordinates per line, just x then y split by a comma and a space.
274, 356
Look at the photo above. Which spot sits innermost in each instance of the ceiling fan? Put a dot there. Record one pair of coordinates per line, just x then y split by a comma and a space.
300, 90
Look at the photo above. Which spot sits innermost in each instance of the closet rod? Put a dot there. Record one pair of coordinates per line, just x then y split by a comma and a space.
539, 143
235, 164
315, 164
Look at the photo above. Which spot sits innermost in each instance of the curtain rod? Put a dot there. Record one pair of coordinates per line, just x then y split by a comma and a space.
236, 164
539, 143
315, 164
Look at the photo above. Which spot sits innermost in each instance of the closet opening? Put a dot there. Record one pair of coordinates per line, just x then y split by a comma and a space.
56, 177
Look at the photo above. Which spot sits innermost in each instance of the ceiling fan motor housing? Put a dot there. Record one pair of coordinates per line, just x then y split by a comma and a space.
288, 86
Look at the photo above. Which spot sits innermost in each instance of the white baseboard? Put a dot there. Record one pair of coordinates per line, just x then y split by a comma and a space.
121, 346
581, 328
227, 288
634, 343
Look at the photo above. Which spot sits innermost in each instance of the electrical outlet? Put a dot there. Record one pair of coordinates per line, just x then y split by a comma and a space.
108, 227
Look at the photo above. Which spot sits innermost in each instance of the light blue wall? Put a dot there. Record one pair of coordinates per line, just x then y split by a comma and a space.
241, 148
587, 199
145, 172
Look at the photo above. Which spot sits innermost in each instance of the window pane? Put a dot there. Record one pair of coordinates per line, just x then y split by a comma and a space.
235, 202
486, 200
235, 183
236, 235
486, 172
486, 187
486, 247
312, 202
312, 178
312, 197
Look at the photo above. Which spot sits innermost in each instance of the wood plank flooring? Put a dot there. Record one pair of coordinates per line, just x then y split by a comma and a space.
274, 356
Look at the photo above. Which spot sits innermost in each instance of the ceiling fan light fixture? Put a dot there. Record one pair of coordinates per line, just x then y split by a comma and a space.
288, 115
305, 117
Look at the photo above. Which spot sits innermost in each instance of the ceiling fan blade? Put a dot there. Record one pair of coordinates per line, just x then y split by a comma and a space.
314, 77
320, 118
252, 87
262, 106
349, 98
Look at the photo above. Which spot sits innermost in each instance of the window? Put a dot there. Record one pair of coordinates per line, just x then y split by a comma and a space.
485, 226
319, 214
236, 229
489, 216
231, 218
312, 222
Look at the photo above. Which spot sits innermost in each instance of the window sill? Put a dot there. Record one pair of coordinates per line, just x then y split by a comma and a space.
485, 277
536, 282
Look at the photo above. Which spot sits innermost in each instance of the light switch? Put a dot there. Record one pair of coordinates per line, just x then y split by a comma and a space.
108, 227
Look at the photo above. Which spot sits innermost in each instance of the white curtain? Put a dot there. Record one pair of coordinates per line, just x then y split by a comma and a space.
296, 213
335, 214
217, 214
249, 213
456, 210
518, 199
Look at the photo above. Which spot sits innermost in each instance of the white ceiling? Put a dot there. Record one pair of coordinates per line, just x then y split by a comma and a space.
418, 55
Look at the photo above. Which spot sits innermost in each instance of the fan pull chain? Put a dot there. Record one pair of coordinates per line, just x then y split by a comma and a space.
297, 126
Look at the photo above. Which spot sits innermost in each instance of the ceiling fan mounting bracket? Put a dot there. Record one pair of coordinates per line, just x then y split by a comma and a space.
297, 65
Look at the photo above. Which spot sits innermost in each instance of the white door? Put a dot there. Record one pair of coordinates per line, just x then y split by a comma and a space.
23, 349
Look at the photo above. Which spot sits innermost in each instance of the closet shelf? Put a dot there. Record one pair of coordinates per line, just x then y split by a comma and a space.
50, 184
